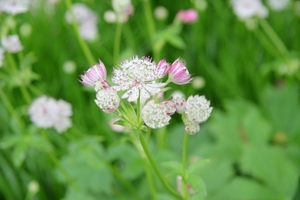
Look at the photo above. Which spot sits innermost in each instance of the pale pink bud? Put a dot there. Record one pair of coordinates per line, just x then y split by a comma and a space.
96, 73
163, 67
170, 107
178, 73
187, 16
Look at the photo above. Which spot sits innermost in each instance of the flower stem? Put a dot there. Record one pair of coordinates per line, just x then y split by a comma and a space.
184, 177
10, 108
117, 42
152, 162
150, 180
151, 27
273, 37
87, 52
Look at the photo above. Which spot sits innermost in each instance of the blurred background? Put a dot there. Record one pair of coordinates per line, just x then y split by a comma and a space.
244, 58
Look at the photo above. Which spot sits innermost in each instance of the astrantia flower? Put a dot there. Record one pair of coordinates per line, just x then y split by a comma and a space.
107, 100
14, 6
95, 77
138, 76
11, 43
187, 16
155, 115
179, 102
197, 109
46, 112
278, 4
246, 9
163, 66
178, 73
170, 107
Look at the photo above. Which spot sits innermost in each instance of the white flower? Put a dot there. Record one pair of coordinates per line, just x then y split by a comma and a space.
110, 16
11, 43
14, 6
155, 115
197, 109
160, 13
46, 112
246, 9
179, 102
278, 4
1, 56
123, 9
107, 100
88, 30
138, 76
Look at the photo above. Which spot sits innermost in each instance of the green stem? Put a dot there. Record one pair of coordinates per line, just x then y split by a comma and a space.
150, 180
161, 134
10, 108
151, 27
129, 36
273, 37
152, 162
117, 42
84, 47
184, 176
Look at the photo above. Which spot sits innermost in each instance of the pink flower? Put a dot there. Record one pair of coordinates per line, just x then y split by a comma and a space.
178, 73
95, 76
163, 66
187, 16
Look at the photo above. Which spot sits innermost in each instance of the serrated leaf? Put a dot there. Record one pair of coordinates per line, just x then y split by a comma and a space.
196, 166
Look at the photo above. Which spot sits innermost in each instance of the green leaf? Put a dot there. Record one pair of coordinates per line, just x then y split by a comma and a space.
198, 186
196, 166
270, 166
172, 167
19, 154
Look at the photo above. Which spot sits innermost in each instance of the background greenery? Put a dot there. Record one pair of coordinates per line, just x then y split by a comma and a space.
252, 140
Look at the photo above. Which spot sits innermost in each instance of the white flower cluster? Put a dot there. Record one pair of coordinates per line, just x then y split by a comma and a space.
14, 6
46, 112
246, 9
140, 80
11, 44
122, 9
86, 19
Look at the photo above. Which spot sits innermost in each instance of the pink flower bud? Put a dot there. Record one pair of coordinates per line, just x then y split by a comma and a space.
187, 16
96, 73
163, 67
178, 73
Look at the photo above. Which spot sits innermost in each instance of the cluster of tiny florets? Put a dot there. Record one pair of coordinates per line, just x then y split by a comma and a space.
141, 81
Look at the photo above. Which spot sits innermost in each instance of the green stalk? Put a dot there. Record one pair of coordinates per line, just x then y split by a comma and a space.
273, 37
150, 180
151, 27
184, 176
11, 109
117, 42
84, 47
153, 164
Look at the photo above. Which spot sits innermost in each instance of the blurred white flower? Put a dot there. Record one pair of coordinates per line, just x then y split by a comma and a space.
110, 16
25, 29
246, 9
160, 13
14, 6
69, 67
86, 18
123, 9
278, 4
11, 43
1, 56
46, 112
33, 187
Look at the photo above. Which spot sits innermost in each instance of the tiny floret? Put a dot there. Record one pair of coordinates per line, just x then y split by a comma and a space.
179, 102
197, 109
107, 100
178, 73
192, 128
155, 115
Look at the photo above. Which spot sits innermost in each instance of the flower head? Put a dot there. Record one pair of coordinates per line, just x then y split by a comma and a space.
179, 102
160, 13
107, 100
14, 6
138, 76
246, 9
178, 73
11, 43
278, 4
155, 115
197, 109
163, 66
192, 128
95, 76
187, 16
46, 112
